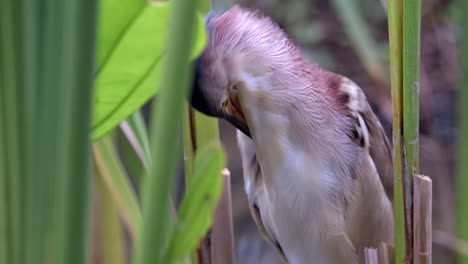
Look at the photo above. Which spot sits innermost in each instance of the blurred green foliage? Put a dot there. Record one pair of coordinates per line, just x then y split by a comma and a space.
132, 44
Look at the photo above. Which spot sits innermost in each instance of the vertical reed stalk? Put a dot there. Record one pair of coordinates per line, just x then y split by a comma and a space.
153, 234
404, 29
395, 23
47, 56
411, 60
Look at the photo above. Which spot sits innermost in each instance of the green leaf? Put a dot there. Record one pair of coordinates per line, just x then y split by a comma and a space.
116, 18
199, 203
132, 46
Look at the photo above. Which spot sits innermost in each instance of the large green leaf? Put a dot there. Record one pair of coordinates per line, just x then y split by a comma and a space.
199, 203
115, 18
132, 45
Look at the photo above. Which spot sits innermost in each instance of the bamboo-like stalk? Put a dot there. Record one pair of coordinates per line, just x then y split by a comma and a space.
153, 234
404, 29
395, 23
411, 60
462, 183
422, 220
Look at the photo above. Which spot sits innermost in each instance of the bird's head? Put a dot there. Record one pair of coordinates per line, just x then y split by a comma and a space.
249, 62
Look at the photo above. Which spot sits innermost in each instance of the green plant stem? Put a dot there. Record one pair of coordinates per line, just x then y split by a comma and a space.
112, 235
411, 57
165, 145
462, 194
395, 17
189, 144
112, 173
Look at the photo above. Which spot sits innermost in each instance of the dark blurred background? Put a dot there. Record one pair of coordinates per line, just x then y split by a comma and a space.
350, 37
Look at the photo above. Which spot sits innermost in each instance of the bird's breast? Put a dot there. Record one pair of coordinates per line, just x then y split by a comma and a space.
296, 179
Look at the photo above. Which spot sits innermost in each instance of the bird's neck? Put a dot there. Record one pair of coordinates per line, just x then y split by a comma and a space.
295, 134
285, 156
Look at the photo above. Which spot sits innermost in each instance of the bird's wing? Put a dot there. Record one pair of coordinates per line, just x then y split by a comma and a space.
381, 153
369, 132
253, 181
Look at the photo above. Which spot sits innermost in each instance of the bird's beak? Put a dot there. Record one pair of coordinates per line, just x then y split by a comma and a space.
232, 111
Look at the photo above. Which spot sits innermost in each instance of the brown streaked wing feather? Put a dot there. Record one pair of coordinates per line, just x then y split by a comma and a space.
379, 146
380, 152
252, 171
267, 234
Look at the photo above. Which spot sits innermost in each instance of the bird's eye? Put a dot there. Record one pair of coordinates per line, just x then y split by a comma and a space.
224, 104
